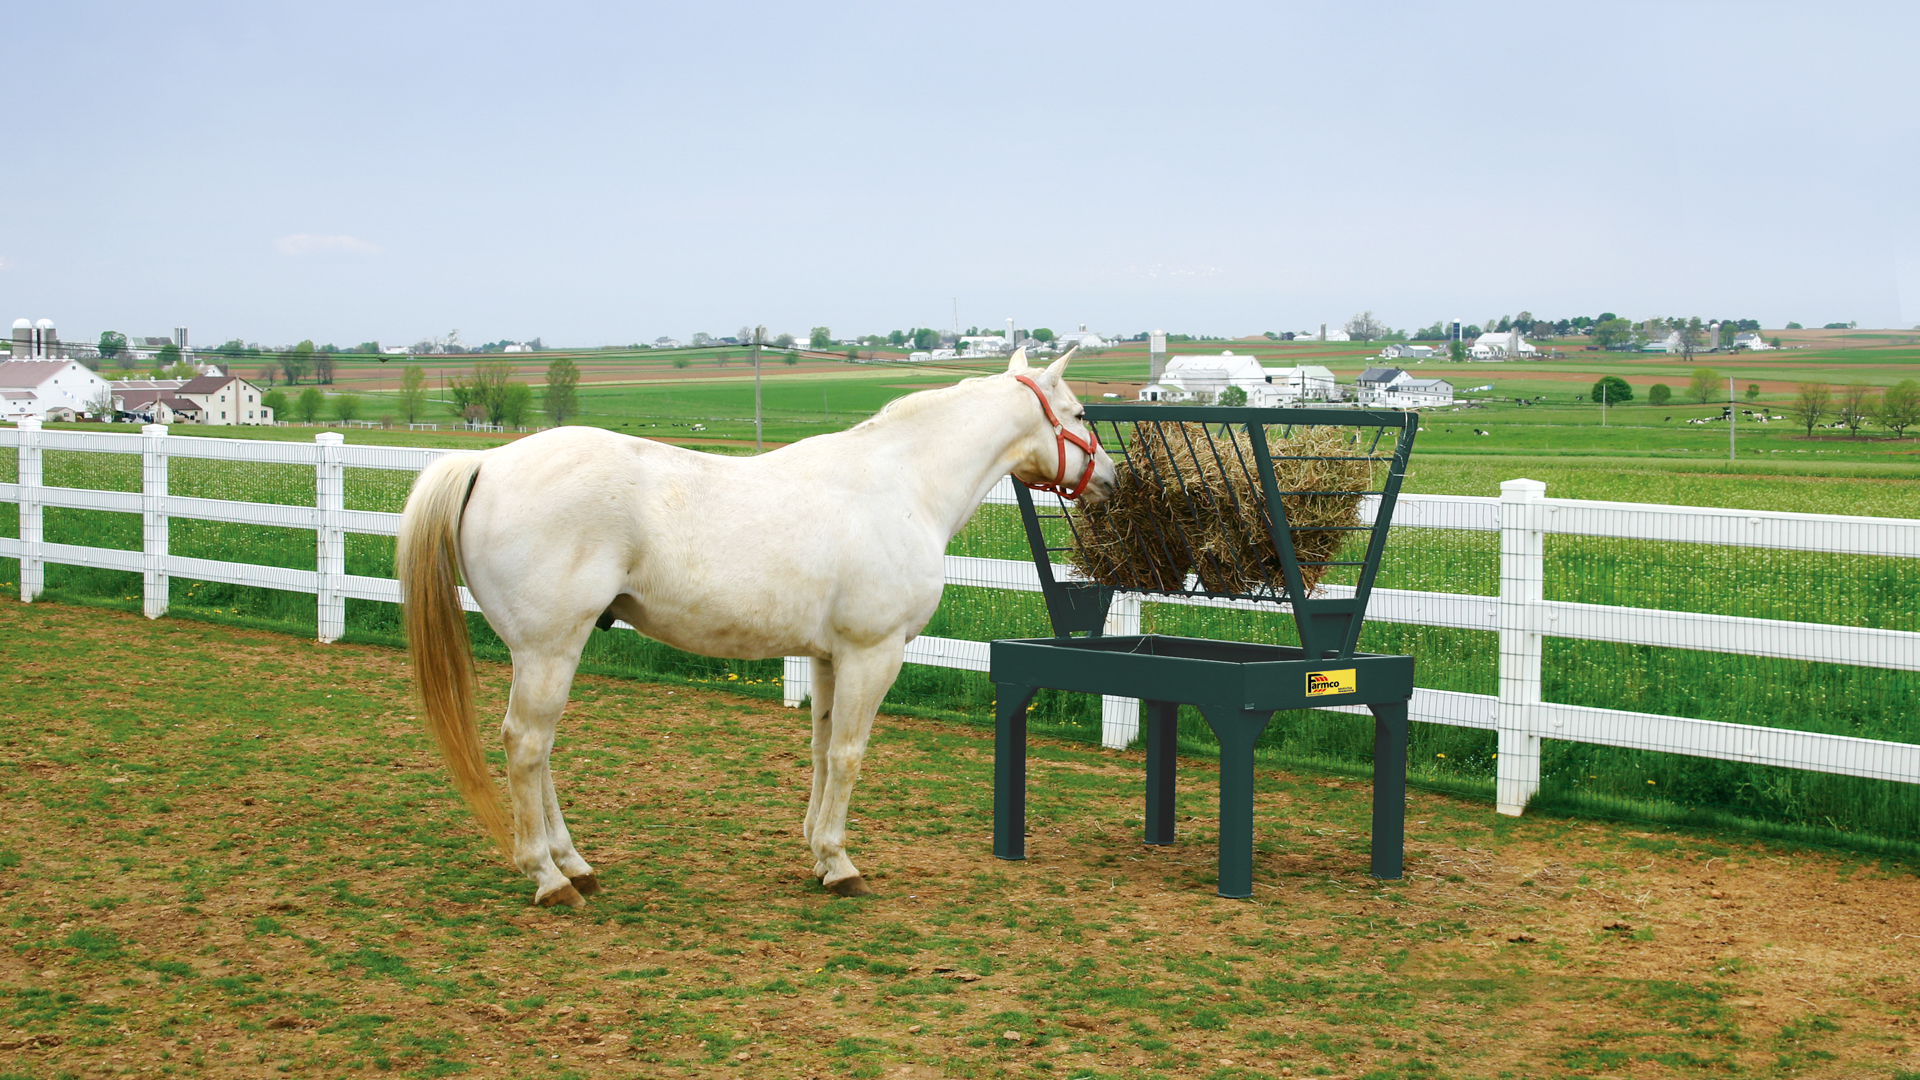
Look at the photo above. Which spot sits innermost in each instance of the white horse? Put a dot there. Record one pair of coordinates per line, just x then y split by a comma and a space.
829, 548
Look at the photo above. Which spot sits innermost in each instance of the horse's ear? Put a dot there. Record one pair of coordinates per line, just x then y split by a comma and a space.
1058, 369
1019, 362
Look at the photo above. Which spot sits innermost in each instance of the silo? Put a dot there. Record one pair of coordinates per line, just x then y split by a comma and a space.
1156, 355
180, 337
22, 339
46, 339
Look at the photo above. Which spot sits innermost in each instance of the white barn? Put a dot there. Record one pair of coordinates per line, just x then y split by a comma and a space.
1305, 382
34, 386
1508, 346
1203, 378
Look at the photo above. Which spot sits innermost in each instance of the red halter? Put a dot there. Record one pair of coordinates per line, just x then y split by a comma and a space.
1061, 437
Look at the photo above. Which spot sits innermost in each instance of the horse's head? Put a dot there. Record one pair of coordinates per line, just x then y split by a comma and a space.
1064, 454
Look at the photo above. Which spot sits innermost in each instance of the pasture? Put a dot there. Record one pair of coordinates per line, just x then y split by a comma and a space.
231, 853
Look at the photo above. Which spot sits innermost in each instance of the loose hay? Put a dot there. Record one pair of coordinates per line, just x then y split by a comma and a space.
1188, 499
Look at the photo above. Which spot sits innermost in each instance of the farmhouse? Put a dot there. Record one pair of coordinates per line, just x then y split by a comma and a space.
1081, 339
1373, 385
224, 400
1418, 394
34, 386
1747, 339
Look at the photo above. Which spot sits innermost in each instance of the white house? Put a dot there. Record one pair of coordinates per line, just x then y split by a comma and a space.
1376, 383
1203, 378
1305, 382
51, 384
1507, 346
1747, 339
225, 400
1418, 394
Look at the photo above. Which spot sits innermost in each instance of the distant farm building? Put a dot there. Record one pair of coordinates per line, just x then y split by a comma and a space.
1503, 346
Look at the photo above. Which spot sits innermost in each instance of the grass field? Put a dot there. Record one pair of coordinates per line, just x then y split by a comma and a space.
231, 853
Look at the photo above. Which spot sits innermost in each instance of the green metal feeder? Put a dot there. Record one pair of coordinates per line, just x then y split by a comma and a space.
1237, 686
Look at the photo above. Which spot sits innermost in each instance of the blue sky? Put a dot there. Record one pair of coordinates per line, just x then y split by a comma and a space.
610, 173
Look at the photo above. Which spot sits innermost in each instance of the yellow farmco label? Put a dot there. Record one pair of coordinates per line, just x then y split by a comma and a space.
1331, 682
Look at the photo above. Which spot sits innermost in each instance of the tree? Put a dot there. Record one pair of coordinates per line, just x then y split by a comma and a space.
925, 339
1611, 333
346, 407
1457, 351
1364, 327
294, 363
1795, 326
168, 355
413, 393
322, 367
1753, 391
1900, 406
562, 378
372, 347
1856, 407
1810, 403
308, 405
1611, 389
1234, 396
516, 404
100, 403
680, 360
1659, 394
265, 375
275, 400
897, 338
820, 338
1703, 385
112, 343
126, 359
783, 341
1692, 333
486, 389
1042, 335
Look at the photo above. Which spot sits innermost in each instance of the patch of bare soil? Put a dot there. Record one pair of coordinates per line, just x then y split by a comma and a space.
231, 854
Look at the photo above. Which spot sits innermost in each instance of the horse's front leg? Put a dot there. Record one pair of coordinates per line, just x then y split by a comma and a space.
860, 682
822, 694
540, 684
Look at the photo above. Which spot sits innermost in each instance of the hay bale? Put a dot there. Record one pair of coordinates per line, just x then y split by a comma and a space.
1188, 499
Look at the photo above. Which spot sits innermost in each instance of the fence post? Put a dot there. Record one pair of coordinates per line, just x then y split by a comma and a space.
1522, 584
796, 680
329, 486
33, 572
1120, 716
153, 518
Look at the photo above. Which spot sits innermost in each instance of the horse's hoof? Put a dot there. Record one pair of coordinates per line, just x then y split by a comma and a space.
586, 883
849, 886
565, 894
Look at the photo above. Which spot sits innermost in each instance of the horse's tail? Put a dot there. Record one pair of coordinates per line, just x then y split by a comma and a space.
428, 560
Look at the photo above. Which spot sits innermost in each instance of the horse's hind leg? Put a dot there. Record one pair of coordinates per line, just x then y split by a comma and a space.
560, 844
540, 685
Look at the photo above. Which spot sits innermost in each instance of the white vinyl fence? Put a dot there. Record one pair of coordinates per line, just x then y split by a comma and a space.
1522, 617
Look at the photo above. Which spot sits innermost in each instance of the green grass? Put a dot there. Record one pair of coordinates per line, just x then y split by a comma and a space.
1640, 456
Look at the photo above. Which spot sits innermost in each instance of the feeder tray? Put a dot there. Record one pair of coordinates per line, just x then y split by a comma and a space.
1283, 506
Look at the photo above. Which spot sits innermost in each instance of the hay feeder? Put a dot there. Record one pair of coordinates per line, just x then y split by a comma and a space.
1244, 506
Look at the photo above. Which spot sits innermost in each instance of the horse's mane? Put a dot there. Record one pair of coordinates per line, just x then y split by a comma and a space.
916, 402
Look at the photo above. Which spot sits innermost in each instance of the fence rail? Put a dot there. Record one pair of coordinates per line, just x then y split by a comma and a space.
1520, 615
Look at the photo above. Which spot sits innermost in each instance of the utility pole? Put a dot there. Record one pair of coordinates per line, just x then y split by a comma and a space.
1731, 405
759, 335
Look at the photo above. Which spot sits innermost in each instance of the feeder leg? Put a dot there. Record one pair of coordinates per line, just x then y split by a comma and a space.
1163, 729
1389, 788
1237, 730
1010, 769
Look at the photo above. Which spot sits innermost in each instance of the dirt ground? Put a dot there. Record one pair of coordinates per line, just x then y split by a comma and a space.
231, 853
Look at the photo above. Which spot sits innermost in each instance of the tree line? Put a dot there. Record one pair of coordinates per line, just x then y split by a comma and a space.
1854, 407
